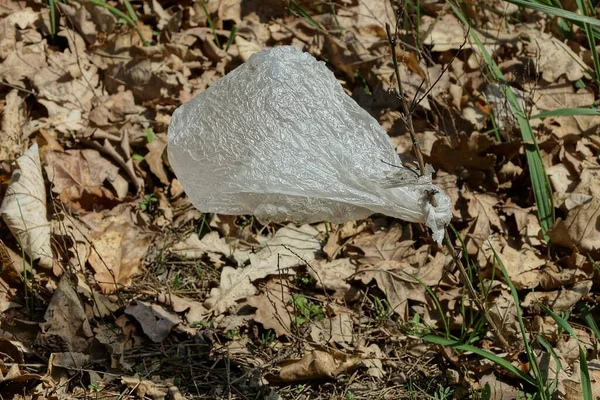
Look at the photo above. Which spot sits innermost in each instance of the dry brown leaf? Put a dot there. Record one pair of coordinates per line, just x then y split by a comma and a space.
211, 244
24, 208
78, 177
246, 48
559, 301
523, 265
290, 246
154, 158
7, 295
383, 246
119, 245
316, 364
444, 33
338, 329
502, 310
155, 321
563, 95
272, 308
332, 275
401, 281
464, 152
145, 388
583, 204
66, 318
485, 218
554, 58
195, 310
13, 118
21, 59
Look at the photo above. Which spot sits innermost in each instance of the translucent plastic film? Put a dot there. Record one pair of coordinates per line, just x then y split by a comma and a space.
278, 138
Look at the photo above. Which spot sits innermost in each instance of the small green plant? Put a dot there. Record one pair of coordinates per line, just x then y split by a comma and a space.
205, 324
383, 310
349, 395
306, 310
230, 334
150, 135
177, 281
96, 388
443, 393
148, 203
267, 338
303, 279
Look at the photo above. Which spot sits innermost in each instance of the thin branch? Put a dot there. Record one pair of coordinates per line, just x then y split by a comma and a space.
406, 113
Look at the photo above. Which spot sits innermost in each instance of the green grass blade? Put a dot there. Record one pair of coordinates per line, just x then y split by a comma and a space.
535, 368
567, 112
585, 7
231, 37
52, 5
551, 351
121, 14
211, 23
587, 316
480, 352
296, 7
556, 12
539, 179
586, 383
130, 10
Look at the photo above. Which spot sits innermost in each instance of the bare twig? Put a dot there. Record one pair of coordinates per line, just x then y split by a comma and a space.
406, 113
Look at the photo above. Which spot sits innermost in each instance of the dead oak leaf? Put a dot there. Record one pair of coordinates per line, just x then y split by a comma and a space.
119, 245
485, 218
332, 275
24, 208
155, 160
317, 364
66, 318
78, 177
272, 308
523, 265
155, 321
382, 246
289, 247
463, 152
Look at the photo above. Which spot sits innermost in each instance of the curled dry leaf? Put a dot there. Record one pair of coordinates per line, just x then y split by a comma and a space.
332, 275
316, 364
272, 307
119, 246
523, 265
24, 208
155, 321
78, 177
289, 247
66, 318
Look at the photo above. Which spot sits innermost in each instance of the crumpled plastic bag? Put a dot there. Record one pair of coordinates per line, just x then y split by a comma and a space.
278, 138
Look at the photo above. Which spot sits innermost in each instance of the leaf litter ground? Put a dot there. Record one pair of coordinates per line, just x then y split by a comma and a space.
113, 285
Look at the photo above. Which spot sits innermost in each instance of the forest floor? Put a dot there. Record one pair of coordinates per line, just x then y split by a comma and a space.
113, 286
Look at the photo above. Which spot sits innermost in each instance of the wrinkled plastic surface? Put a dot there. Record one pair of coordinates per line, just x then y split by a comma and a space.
278, 138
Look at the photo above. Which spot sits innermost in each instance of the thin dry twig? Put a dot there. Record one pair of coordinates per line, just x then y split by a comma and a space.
406, 113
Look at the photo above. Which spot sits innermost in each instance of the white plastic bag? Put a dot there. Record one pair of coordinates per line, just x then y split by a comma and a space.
278, 138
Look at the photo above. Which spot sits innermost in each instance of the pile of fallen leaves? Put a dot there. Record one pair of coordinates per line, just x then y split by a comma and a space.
112, 284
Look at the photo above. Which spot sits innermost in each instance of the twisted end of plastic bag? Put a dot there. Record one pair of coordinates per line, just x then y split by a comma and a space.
279, 138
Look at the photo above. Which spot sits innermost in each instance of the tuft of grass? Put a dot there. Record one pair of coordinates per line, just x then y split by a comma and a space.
555, 11
130, 19
586, 9
539, 179
211, 23
586, 382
